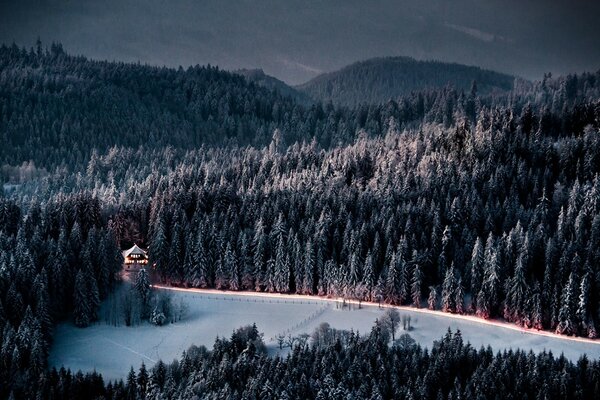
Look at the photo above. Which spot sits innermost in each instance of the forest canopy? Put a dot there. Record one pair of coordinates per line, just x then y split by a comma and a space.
452, 199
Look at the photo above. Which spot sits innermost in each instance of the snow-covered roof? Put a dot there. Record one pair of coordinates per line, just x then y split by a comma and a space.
134, 250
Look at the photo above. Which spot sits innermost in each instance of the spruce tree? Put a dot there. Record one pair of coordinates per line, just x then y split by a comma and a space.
232, 268
143, 291
566, 315
81, 302
416, 283
433, 298
448, 291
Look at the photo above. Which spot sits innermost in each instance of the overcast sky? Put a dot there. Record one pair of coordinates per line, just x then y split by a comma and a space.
296, 40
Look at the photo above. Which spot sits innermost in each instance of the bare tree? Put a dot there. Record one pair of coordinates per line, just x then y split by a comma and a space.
291, 340
280, 340
392, 318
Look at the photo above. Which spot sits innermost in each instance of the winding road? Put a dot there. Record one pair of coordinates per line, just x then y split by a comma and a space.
463, 317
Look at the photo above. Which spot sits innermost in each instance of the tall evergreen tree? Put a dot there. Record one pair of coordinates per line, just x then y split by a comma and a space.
416, 283
566, 316
82, 307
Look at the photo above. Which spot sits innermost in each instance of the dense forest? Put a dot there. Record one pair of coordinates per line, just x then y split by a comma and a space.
341, 365
379, 80
443, 198
259, 77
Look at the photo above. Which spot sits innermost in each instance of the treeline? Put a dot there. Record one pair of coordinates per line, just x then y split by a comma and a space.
450, 200
131, 305
56, 109
55, 260
356, 367
497, 219
379, 80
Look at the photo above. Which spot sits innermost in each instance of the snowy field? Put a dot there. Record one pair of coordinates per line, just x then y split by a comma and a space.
113, 350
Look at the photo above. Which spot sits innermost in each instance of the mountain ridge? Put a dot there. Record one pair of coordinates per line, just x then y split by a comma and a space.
377, 80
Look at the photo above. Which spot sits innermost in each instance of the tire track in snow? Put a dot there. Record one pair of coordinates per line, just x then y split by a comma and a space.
129, 349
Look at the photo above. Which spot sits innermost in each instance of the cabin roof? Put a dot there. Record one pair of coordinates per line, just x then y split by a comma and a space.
134, 250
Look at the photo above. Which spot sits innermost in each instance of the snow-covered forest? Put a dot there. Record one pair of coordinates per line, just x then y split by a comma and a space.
452, 200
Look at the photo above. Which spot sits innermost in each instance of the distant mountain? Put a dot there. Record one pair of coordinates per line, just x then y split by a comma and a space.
379, 79
259, 77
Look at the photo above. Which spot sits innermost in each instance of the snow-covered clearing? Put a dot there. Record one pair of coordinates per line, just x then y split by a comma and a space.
113, 350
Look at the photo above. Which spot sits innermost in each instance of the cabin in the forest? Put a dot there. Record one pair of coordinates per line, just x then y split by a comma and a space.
135, 259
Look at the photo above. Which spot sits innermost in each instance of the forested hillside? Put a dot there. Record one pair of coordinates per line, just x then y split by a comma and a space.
56, 108
459, 201
341, 365
259, 77
379, 80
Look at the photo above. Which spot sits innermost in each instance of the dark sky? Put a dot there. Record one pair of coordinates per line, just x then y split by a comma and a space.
295, 40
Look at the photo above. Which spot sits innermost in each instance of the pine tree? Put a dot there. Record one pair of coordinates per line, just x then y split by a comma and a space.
159, 249
416, 283
143, 291
433, 298
142, 381
309, 269
260, 249
132, 392
488, 296
459, 297
222, 273
477, 266
536, 309
369, 276
232, 267
271, 276
42, 310
355, 275
81, 311
403, 281
94, 294
188, 260
246, 264
445, 257
448, 291
582, 304
517, 294
282, 267
566, 315
200, 271
176, 250
392, 281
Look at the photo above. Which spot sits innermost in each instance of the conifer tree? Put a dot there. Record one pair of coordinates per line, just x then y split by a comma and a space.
566, 315
416, 283
143, 291
232, 268
433, 298
81, 312
449, 291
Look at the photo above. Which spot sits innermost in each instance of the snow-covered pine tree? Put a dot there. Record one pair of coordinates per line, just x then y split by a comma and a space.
393, 280
232, 267
566, 315
369, 276
582, 312
309, 268
81, 305
515, 305
459, 296
448, 290
477, 266
200, 271
416, 283
433, 298
143, 291
282, 268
